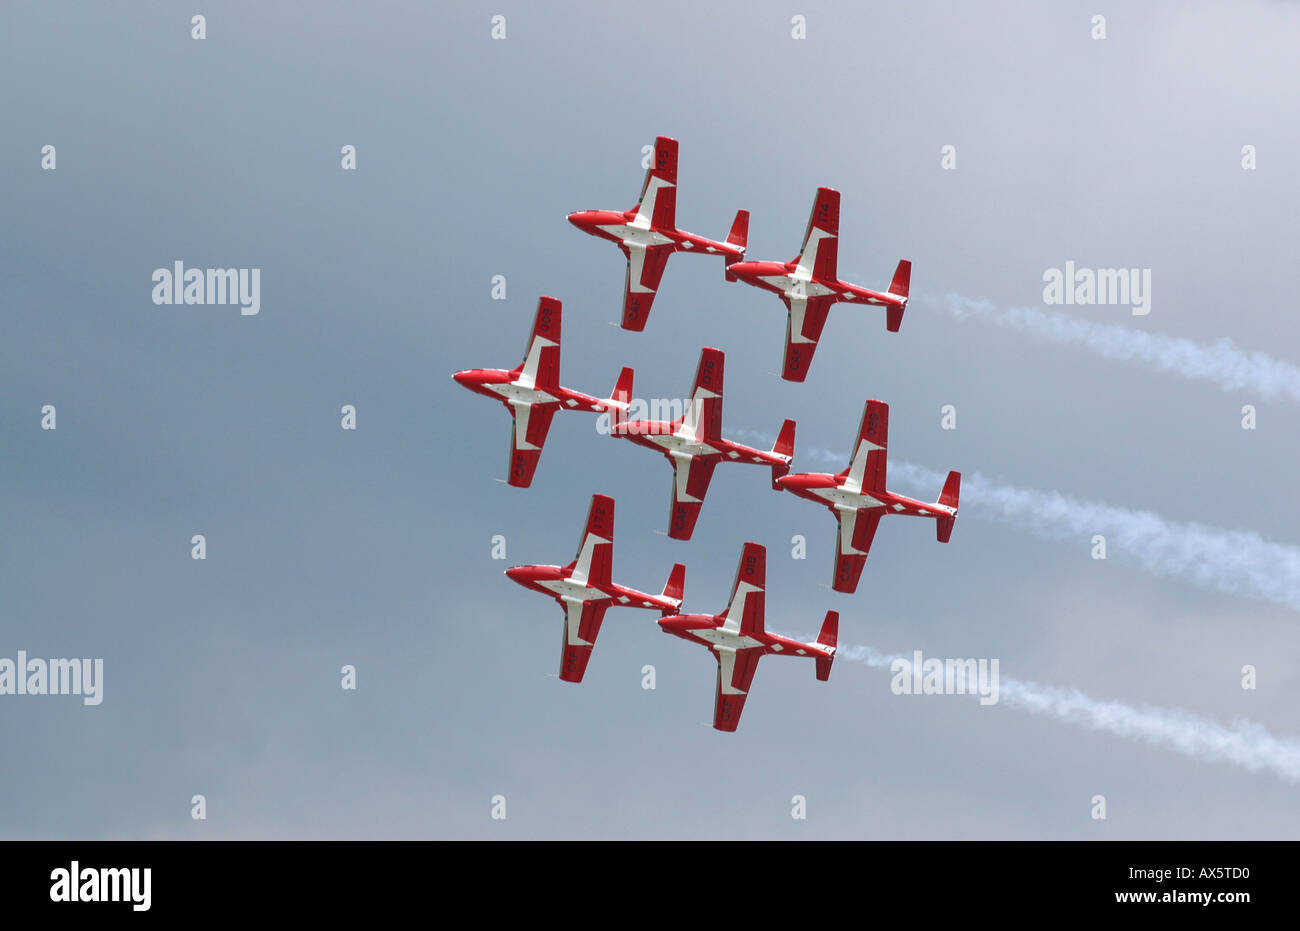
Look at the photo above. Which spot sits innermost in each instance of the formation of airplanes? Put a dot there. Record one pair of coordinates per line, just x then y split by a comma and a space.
693, 443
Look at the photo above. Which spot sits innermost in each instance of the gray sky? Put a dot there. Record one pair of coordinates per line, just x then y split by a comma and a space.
373, 547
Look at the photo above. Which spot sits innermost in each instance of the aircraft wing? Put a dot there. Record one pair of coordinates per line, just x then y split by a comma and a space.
735, 675
581, 625
852, 544
541, 365
657, 205
532, 421
593, 564
744, 614
703, 418
866, 472
645, 269
807, 317
691, 477
819, 252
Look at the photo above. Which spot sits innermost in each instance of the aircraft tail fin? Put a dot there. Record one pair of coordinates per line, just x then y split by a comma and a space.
899, 287
674, 587
828, 638
738, 237
783, 447
948, 498
621, 397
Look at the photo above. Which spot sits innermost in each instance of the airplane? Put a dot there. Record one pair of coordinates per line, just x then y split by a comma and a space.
531, 391
808, 285
737, 639
693, 442
585, 590
858, 499
648, 234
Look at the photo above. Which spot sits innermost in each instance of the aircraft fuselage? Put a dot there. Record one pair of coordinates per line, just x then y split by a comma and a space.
666, 438
512, 388
839, 494
626, 229
558, 583
794, 282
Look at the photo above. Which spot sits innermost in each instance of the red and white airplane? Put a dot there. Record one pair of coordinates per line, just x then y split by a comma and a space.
648, 234
585, 590
808, 285
858, 499
693, 442
531, 391
737, 639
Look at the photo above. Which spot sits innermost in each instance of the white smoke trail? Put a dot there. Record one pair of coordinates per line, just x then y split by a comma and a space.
1244, 744
1234, 562
1222, 361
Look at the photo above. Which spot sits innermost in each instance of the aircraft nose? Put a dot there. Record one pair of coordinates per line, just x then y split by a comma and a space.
584, 220
515, 573
461, 378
